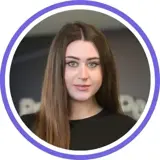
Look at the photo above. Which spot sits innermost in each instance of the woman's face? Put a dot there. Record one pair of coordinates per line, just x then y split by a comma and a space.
83, 76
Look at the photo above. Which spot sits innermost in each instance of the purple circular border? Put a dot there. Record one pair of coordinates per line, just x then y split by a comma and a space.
72, 3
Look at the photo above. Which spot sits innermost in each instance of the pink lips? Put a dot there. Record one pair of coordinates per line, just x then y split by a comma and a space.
82, 87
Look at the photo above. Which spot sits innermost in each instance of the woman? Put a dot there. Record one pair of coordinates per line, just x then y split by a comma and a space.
80, 107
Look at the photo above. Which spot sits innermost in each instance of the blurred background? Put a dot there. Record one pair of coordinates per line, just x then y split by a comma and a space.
28, 65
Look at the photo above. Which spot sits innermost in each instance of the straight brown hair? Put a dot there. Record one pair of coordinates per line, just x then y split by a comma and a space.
52, 123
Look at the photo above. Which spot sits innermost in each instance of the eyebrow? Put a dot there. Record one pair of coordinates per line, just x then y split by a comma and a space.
79, 59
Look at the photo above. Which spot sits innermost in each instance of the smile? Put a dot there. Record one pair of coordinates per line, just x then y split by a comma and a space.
82, 87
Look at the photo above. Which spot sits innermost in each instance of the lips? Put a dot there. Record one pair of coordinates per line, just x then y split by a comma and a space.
82, 87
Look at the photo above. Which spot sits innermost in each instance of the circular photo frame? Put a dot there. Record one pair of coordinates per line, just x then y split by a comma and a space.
156, 83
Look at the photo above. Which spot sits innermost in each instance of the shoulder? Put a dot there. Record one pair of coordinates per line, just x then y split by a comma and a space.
29, 120
119, 122
121, 118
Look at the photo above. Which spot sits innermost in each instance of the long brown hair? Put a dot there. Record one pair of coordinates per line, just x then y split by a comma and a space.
53, 118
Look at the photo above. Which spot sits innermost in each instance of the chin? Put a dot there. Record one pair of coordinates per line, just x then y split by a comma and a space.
81, 98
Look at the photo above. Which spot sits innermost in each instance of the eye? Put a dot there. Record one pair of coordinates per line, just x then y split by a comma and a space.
72, 64
93, 64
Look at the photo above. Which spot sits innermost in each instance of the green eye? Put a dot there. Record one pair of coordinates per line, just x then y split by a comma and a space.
92, 64
72, 64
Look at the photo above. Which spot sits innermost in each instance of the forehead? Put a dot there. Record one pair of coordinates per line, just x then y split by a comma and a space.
82, 49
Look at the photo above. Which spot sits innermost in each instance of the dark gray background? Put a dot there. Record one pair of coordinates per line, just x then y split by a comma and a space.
29, 61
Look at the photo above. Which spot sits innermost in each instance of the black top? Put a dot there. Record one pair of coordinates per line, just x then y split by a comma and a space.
94, 132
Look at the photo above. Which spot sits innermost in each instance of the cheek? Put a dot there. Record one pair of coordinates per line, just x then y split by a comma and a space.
97, 79
69, 76
97, 76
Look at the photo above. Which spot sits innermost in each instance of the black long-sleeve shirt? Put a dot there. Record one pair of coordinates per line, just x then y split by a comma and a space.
94, 132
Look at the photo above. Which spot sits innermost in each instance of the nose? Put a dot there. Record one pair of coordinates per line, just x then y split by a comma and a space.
83, 73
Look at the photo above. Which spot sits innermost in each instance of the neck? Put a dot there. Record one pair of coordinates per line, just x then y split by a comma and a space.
85, 109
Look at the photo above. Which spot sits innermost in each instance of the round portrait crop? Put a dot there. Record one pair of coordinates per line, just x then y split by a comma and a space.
71, 63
